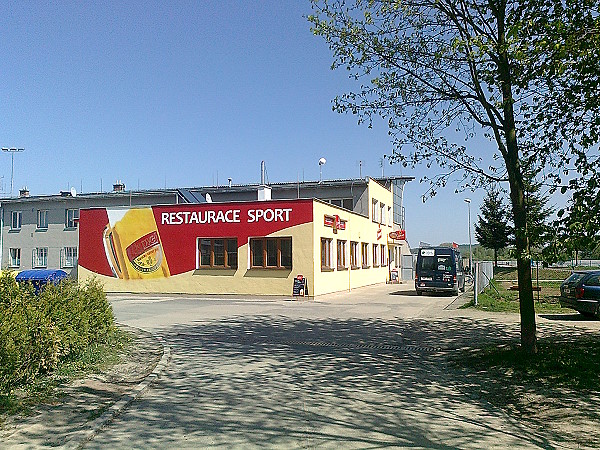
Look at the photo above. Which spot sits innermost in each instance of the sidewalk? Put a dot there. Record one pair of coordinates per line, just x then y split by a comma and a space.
69, 419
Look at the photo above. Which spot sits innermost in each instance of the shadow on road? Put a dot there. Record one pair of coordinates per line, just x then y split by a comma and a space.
269, 381
569, 317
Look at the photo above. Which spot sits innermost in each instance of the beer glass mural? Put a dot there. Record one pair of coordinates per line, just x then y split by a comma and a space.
132, 245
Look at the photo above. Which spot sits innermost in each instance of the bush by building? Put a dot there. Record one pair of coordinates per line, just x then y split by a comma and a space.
38, 332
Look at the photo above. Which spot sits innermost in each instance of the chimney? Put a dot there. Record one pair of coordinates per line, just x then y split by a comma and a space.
24, 192
119, 186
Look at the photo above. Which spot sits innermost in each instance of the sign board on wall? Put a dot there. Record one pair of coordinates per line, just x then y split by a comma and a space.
161, 241
398, 235
334, 222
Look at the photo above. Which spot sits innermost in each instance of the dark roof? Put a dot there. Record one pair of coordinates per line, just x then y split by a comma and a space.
191, 194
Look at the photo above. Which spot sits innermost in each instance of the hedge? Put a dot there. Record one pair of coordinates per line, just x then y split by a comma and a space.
37, 332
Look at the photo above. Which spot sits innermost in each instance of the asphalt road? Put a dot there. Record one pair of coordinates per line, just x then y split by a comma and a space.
365, 369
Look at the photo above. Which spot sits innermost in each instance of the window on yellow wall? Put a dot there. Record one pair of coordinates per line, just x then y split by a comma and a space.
341, 254
365, 255
217, 253
271, 253
382, 214
383, 254
326, 250
375, 255
375, 211
354, 259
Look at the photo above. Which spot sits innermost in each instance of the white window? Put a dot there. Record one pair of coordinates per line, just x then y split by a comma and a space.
15, 257
42, 219
326, 254
71, 218
354, 255
375, 256
390, 218
382, 211
69, 257
15, 220
375, 211
341, 254
40, 257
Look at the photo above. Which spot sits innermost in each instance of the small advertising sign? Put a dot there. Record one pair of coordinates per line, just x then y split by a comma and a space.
334, 222
398, 235
300, 289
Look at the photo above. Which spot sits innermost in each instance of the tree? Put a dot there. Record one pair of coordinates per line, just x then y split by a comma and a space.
539, 230
492, 229
578, 225
469, 66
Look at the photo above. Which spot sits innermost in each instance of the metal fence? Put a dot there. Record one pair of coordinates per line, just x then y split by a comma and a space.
484, 272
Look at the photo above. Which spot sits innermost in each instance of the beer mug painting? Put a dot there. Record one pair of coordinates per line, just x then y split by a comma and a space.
132, 245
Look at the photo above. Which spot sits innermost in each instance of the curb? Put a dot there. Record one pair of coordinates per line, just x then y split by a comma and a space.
82, 438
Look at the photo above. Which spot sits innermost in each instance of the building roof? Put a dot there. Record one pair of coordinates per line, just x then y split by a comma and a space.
191, 194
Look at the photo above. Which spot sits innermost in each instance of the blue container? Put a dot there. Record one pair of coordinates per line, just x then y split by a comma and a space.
41, 277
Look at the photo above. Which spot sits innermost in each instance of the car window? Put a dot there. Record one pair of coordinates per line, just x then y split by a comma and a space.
593, 280
444, 263
575, 277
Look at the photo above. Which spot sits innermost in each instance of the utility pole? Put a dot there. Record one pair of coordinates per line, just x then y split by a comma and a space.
468, 202
12, 152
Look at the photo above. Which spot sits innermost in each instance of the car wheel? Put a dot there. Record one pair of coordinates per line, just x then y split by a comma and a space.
587, 314
419, 292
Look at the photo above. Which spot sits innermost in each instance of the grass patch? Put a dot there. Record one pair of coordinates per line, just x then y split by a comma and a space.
499, 298
567, 364
45, 388
555, 390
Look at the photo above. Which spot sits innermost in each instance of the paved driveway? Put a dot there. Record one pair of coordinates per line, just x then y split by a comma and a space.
361, 370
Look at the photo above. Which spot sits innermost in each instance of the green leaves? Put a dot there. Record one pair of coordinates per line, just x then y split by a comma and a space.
39, 331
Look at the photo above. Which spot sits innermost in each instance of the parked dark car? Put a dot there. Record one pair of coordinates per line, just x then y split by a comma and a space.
581, 292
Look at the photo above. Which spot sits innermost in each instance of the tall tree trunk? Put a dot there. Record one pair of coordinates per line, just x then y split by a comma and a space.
517, 195
495, 257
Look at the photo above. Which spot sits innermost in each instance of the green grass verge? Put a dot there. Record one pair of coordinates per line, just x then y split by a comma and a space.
45, 388
555, 390
498, 298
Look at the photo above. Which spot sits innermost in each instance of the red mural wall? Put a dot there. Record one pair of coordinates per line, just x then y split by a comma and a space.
161, 241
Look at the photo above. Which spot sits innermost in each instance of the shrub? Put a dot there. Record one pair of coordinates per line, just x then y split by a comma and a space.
39, 331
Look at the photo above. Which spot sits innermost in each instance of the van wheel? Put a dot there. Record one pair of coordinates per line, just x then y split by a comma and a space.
419, 292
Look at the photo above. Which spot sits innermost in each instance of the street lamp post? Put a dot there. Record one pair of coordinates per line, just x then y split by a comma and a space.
12, 152
468, 202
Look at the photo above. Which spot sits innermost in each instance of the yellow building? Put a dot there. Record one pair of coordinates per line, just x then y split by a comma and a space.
270, 247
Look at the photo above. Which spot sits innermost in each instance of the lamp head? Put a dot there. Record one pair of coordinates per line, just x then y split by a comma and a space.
322, 161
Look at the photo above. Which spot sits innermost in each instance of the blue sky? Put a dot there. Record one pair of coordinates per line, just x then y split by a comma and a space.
182, 94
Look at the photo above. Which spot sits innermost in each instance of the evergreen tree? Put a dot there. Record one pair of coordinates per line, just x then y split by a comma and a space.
492, 229
539, 229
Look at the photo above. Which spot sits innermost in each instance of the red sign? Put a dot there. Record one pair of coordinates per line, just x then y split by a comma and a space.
379, 234
334, 222
398, 234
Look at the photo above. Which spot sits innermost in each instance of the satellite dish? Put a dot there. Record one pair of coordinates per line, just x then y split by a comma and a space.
73, 192
208, 198
322, 161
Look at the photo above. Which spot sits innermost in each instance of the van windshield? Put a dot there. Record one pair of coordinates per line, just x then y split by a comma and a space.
440, 263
